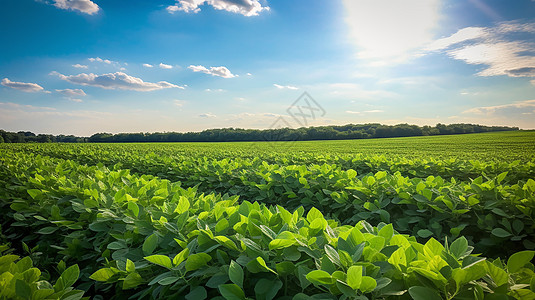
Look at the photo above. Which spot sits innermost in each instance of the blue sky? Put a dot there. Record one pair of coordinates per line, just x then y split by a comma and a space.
82, 67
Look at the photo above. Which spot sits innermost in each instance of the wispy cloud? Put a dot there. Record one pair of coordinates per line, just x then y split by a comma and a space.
164, 66
505, 49
117, 80
364, 112
214, 71
179, 103
207, 115
85, 6
79, 66
520, 106
290, 87
23, 86
72, 93
244, 7
148, 65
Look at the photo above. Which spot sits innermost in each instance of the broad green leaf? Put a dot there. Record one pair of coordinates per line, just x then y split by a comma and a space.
161, 260
22, 289
168, 280
498, 275
183, 205
150, 244
235, 273
34, 193
197, 261
267, 289
47, 230
231, 292
367, 284
320, 277
354, 277
500, 232
180, 257
424, 233
258, 265
70, 276
130, 266
197, 293
134, 208
314, 214
519, 260
459, 247
423, 293
131, 281
103, 274
332, 254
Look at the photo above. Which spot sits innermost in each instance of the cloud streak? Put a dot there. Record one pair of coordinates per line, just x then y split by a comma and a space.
214, 71
290, 87
117, 80
505, 49
84, 6
247, 8
520, 106
23, 86
164, 66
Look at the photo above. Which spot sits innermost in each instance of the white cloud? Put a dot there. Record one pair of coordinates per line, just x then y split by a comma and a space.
23, 86
179, 103
506, 49
249, 74
366, 111
72, 92
79, 66
386, 31
106, 61
519, 106
216, 90
76, 100
214, 71
207, 115
117, 80
533, 81
164, 66
84, 6
245, 7
373, 111
290, 87
148, 65
353, 112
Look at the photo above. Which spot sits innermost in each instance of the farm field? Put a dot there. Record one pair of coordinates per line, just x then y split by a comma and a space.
441, 217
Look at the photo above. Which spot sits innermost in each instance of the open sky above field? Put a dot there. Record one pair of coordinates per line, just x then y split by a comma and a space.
81, 67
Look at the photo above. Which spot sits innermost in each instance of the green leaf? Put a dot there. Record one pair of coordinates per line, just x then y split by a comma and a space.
161, 260
150, 243
459, 247
314, 214
34, 193
519, 260
354, 277
197, 261
500, 232
47, 230
424, 233
22, 289
103, 274
267, 289
498, 275
70, 276
368, 284
280, 244
332, 254
423, 293
130, 266
387, 232
197, 293
134, 208
258, 265
231, 292
320, 277
168, 280
235, 273
180, 257
131, 281
183, 205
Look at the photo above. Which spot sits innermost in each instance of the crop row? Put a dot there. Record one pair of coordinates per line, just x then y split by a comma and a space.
142, 158
154, 239
488, 212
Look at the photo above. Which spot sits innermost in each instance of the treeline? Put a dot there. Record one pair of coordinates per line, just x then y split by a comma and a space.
345, 132
30, 137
